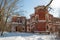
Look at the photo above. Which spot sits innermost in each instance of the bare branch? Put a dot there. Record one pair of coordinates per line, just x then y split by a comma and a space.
1, 4
6, 8
48, 4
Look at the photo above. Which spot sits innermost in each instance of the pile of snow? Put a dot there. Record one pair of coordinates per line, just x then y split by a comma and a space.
26, 36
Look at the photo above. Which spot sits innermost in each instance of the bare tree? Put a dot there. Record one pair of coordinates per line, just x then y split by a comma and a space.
7, 8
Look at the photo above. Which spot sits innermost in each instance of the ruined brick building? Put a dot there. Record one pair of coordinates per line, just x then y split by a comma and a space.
18, 23
40, 21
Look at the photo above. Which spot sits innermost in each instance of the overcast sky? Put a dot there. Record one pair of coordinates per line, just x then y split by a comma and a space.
28, 6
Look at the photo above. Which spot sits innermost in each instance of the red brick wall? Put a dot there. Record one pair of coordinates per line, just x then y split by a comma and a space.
41, 16
41, 26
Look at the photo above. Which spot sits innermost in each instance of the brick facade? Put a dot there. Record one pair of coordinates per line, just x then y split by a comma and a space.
40, 21
40, 14
18, 23
56, 24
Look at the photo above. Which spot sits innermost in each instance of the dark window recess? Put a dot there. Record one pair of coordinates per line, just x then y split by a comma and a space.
0, 19
20, 21
47, 27
23, 28
29, 29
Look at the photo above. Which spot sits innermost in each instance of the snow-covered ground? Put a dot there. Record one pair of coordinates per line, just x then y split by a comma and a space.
26, 36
